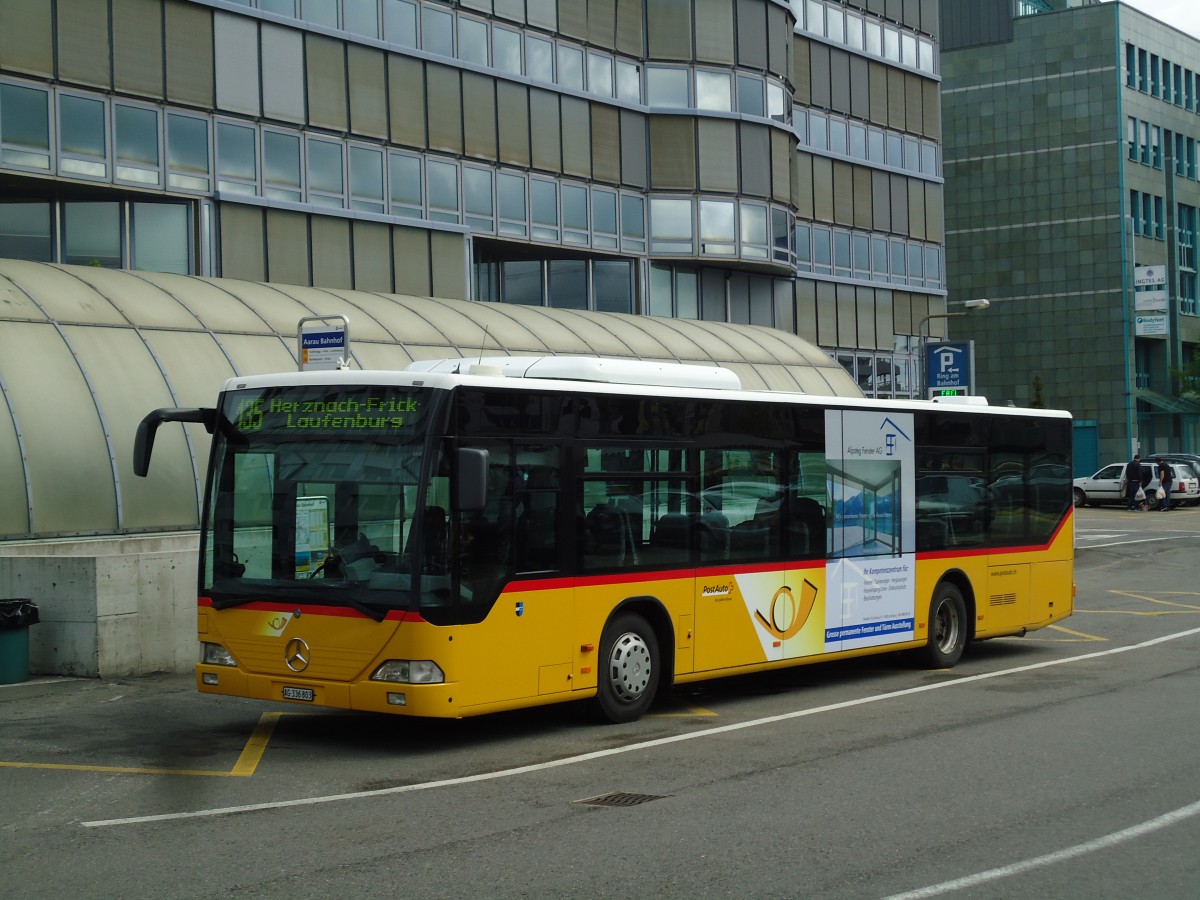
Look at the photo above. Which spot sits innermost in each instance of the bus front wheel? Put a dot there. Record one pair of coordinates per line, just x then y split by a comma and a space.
629, 669
947, 627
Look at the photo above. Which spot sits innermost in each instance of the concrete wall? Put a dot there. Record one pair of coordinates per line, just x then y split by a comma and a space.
108, 607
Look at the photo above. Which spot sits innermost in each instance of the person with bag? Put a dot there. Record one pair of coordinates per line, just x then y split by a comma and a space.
1166, 478
1131, 483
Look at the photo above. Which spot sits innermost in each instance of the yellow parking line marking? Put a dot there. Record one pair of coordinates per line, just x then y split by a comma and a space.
253, 752
688, 712
245, 766
1078, 634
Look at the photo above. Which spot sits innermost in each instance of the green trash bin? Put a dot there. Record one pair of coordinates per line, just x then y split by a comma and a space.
15, 618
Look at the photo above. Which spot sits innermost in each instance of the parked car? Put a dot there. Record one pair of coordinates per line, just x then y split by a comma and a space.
1104, 486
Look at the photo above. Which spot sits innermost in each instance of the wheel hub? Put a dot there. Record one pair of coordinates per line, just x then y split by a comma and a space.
629, 667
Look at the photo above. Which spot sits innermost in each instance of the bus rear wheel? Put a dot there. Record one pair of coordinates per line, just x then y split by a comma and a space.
947, 627
629, 669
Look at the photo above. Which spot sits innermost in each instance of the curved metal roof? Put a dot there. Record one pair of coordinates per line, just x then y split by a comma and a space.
86, 352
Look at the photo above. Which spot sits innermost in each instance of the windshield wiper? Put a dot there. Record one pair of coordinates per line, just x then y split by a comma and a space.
296, 591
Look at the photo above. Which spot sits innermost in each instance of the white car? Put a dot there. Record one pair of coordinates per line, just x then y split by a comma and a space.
1105, 485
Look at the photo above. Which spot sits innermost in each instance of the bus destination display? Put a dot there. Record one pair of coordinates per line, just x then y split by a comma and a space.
325, 411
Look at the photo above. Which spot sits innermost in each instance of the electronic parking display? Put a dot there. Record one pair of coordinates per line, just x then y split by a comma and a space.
317, 411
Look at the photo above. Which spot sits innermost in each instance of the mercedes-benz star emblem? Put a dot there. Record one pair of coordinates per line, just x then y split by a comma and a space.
295, 654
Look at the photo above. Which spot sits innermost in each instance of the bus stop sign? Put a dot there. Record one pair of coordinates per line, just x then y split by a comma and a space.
324, 343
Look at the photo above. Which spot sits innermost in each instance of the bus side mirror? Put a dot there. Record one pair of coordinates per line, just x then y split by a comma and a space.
143, 441
470, 485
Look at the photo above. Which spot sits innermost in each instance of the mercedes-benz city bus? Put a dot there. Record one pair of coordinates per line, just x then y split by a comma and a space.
455, 539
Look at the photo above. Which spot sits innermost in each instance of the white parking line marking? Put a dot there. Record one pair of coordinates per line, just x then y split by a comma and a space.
644, 745
1100, 843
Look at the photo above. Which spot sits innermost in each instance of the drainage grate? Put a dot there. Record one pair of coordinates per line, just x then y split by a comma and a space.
620, 798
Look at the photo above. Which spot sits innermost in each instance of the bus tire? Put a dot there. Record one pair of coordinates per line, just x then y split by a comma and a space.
947, 627
629, 669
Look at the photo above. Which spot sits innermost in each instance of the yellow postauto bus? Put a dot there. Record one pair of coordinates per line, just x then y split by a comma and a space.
459, 538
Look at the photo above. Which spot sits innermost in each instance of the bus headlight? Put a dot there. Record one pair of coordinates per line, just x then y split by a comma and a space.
216, 655
410, 671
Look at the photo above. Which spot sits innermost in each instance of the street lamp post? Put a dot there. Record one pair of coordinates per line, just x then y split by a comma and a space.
923, 338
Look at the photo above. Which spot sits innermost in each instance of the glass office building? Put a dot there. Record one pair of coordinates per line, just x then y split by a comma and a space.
1070, 145
747, 161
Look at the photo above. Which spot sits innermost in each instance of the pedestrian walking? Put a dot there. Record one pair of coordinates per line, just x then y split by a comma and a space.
1132, 482
1166, 478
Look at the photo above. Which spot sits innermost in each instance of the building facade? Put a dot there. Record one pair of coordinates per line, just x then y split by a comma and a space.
746, 161
1071, 135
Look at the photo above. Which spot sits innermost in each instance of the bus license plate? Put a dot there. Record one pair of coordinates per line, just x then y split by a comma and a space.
295, 693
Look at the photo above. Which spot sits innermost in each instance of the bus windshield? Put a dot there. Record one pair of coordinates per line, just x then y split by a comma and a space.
316, 497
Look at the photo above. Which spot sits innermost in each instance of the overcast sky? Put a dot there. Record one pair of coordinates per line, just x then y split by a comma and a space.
1183, 14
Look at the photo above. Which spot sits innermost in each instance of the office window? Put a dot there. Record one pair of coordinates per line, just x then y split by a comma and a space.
320, 12
612, 285
326, 178
854, 31
891, 44
667, 87
928, 158
754, 231
876, 147
82, 136
543, 202
835, 25
1130, 66
908, 50
575, 214
539, 59
568, 283
361, 17
838, 136
437, 30
860, 255
506, 50
879, 258
718, 233
400, 22
633, 223
570, 66
281, 166
282, 7
521, 282
803, 242
671, 227
713, 90
510, 199
604, 219
478, 204
405, 190
188, 166
442, 190
473, 40
629, 81
814, 17
136, 143
822, 251
899, 265
366, 179
92, 234
160, 234
599, 74
750, 96
874, 37
916, 264
24, 127
237, 159
818, 131
777, 105
25, 231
